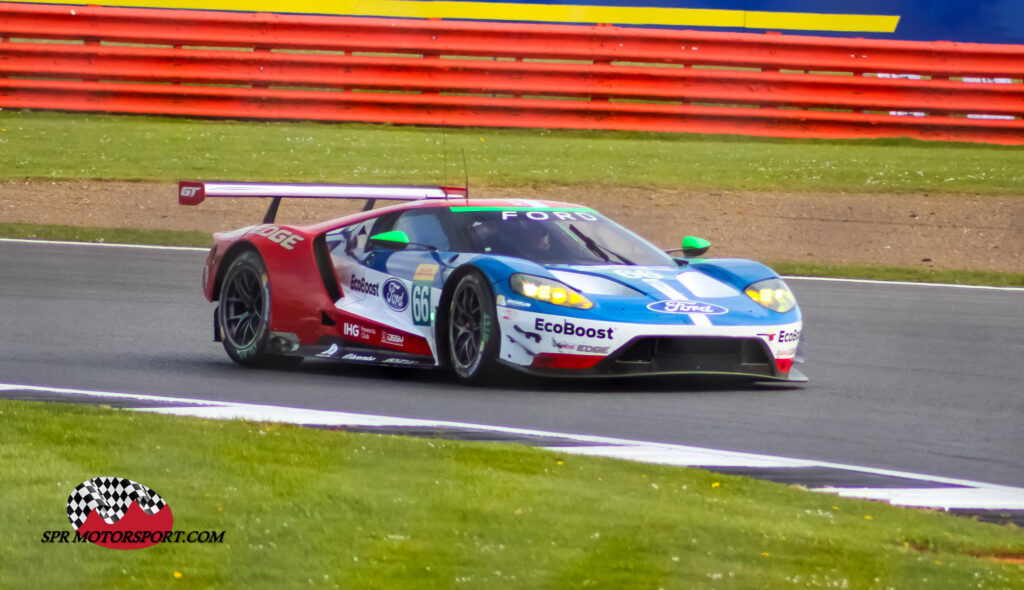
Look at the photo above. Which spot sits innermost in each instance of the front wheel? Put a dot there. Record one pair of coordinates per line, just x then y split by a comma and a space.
243, 316
473, 334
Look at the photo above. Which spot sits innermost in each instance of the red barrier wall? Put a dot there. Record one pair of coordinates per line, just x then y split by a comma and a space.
269, 66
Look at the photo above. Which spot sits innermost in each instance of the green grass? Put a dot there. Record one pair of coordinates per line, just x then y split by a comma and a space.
47, 145
304, 507
892, 273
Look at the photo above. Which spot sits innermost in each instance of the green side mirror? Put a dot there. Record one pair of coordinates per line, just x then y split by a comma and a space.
694, 246
392, 240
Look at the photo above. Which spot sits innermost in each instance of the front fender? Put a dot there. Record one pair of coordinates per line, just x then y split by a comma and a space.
737, 272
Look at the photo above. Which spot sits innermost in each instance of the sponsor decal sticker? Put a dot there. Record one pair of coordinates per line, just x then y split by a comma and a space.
504, 301
788, 336
425, 272
331, 350
285, 238
529, 335
359, 357
686, 307
586, 348
396, 339
395, 295
570, 329
399, 361
549, 215
770, 336
357, 331
361, 285
518, 303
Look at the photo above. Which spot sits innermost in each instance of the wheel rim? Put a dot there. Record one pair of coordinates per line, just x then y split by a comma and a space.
466, 328
243, 308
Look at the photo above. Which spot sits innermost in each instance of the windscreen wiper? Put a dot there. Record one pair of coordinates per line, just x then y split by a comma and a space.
596, 249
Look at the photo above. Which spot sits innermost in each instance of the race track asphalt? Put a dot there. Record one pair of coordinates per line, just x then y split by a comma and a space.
922, 379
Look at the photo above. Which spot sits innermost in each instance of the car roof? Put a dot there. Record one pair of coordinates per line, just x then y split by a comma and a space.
435, 203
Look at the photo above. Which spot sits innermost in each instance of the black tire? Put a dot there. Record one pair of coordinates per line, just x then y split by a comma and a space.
243, 316
474, 337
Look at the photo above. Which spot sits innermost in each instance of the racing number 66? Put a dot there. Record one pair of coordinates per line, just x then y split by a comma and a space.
421, 305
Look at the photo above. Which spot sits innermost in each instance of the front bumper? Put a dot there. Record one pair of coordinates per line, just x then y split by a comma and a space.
549, 345
674, 355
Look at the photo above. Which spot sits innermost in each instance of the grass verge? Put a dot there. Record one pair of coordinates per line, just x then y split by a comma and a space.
893, 273
48, 145
200, 239
334, 509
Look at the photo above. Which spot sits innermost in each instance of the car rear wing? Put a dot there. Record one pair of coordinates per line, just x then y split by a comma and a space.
195, 192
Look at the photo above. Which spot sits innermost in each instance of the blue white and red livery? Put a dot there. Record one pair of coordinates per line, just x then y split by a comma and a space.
482, 286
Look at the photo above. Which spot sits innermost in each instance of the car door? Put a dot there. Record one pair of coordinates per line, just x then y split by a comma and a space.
398, 288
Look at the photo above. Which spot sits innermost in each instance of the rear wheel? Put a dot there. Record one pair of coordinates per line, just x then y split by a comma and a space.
243, 315
473, 333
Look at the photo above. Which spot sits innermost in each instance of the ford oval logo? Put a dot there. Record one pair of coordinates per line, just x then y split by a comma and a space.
395, 295
675, 306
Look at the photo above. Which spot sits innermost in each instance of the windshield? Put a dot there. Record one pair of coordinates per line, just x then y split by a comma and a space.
572, 235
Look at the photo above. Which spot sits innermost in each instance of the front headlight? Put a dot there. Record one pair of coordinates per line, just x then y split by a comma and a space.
773, 294
548, 290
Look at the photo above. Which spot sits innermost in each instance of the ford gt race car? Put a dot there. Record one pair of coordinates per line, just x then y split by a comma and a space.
481, 286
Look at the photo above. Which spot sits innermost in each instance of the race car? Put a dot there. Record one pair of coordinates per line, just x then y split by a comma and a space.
482, 286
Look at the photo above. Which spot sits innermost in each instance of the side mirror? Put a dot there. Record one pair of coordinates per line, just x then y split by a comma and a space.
694, 246
392, 240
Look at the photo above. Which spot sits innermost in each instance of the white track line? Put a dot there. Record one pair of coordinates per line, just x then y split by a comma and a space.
104, 244
948, 494
967, 498
838, 280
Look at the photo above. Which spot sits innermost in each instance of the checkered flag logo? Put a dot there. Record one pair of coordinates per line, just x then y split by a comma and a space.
111, 496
